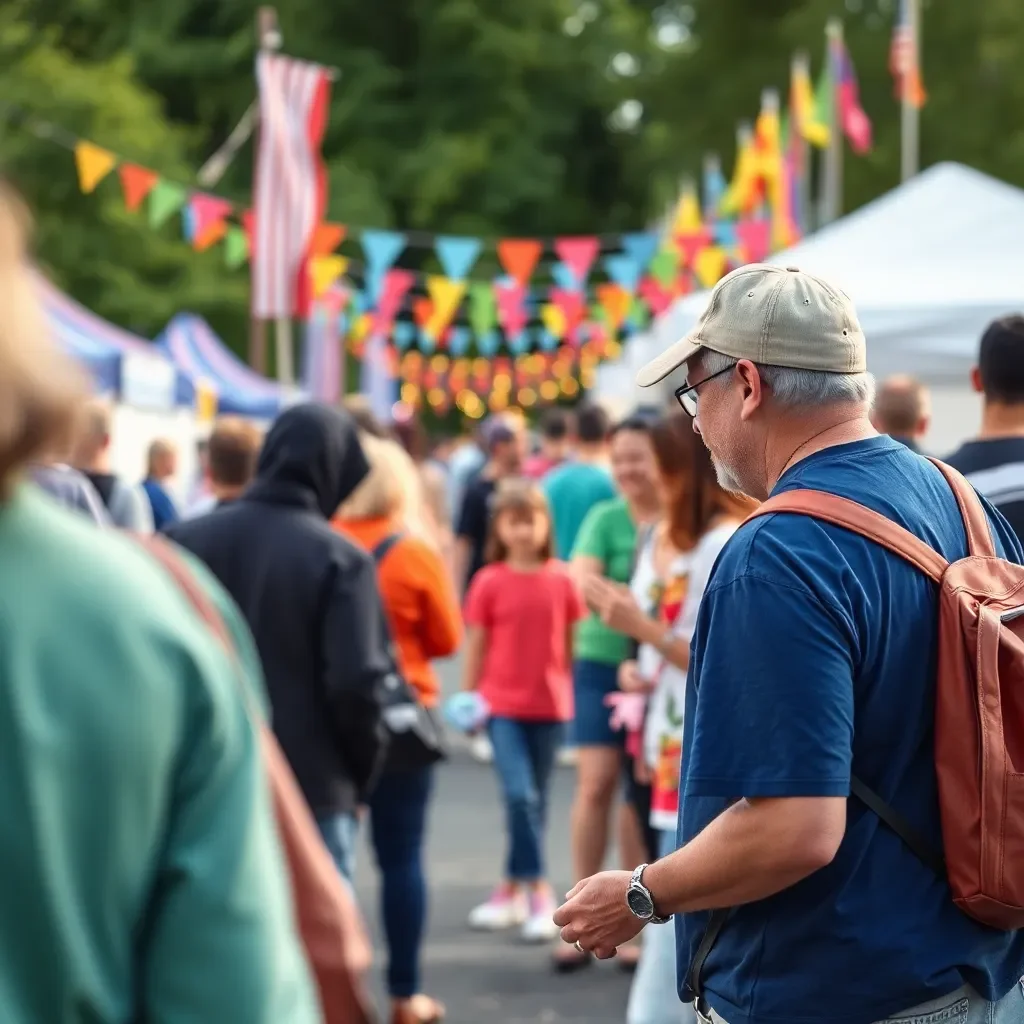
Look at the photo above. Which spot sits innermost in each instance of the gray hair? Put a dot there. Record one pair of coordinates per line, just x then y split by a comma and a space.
801, 387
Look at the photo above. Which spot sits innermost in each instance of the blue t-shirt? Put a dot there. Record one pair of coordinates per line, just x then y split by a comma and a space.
814, 656
572, 491
165, 512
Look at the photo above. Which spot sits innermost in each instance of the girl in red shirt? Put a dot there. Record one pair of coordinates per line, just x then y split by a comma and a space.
520, 612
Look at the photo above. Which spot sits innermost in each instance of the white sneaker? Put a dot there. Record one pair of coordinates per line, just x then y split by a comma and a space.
539, 927
481, 749
506, 908
567, 757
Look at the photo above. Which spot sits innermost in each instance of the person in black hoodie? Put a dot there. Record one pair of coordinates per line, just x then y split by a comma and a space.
311, 600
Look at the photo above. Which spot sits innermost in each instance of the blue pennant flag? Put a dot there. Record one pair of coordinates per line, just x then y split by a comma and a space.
381, 248
547, 340
457, 255
564, 277
725, 233
427, 343
489, 343
623, 270
520, 342
641, 245
403, 332
458, 340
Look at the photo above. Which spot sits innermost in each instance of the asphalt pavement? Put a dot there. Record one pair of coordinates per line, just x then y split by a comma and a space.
492, 977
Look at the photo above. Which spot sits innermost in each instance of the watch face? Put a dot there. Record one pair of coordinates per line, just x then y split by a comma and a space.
640, 903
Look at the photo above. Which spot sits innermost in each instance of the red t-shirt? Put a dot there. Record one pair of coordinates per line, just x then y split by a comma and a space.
526, 616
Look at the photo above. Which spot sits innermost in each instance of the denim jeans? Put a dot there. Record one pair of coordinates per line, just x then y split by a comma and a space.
964, 1006
524, 754
653, 995
398, 817
340, 833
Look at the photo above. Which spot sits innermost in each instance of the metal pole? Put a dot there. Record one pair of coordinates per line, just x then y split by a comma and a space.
910, 115
832, 180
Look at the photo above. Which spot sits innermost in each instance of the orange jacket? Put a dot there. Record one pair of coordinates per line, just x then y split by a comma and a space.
419, 599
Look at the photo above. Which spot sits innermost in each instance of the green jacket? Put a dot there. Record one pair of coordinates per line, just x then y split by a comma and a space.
142, 874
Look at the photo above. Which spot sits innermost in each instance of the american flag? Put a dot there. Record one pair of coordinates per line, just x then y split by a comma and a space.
291, 185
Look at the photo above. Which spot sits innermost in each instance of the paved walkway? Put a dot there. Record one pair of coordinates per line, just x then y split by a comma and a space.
484, 977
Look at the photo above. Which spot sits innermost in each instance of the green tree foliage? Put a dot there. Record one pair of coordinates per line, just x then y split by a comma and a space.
467, 116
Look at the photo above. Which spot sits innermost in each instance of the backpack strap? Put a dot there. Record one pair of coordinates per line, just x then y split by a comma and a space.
379, 553
976, 524
857, 518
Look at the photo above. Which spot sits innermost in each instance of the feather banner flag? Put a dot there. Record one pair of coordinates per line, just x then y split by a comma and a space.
904, 62
743, 192
290, 182
806, 116
93, 163
855, 122
136, 184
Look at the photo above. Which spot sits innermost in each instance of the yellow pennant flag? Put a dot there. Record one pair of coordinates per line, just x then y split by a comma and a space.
325, 271
445, 295
93, 164
554, 320
361, 327
709, 265
615, 301
688, 220
801, 99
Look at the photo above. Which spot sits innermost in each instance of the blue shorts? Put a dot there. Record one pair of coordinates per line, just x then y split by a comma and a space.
592, 681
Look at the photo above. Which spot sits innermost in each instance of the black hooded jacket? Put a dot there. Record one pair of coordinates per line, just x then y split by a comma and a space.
311, 600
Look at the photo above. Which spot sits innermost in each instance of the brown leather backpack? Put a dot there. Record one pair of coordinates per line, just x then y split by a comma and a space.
979, 705
329, 922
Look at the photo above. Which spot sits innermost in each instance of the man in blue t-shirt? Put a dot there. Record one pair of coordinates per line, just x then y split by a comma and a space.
814, 658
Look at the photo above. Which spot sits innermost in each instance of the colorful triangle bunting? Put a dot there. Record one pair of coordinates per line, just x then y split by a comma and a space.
578, 254
457, 255
210, 235
136, 183
519, 256
382, 248
327, 238
236, 247
93, 164
324, 271
165, 198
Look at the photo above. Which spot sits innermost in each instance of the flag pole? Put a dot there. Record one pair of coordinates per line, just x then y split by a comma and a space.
910, 115
832, 180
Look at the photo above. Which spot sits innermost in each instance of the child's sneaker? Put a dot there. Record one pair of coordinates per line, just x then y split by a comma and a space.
480, 748
506, 908
538, 926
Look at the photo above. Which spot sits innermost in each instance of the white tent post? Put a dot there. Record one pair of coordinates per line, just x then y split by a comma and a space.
832, 179
285, 351
910, 135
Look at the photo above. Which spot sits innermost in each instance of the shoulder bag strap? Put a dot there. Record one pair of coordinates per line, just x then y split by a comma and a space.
853, 516
976, 524
380, 552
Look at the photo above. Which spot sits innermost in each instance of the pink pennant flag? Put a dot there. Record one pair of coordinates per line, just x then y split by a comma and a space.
755, 237
572, 306
691, 243
657, 297
207, 210
578, 254
395, 284
511, 307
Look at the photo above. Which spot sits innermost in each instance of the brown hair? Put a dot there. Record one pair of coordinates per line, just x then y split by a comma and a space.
522, 500
232, 451
695, 496
40, 388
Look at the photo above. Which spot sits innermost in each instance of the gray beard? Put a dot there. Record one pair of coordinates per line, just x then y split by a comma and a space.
726, 479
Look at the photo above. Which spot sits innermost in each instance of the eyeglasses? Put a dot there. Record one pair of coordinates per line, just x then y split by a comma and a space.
687, 394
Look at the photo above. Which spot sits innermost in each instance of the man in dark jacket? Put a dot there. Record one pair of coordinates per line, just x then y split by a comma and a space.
311, 600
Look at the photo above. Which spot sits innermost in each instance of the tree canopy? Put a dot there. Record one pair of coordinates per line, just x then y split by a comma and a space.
483, 117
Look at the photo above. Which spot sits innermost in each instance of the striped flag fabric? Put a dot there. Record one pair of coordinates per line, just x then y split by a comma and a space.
903, 62
290, 183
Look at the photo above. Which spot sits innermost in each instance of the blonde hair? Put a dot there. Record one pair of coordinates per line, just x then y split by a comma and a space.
40, 388
392, 488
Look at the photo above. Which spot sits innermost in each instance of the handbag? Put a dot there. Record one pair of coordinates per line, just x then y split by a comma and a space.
416, 733
331, 928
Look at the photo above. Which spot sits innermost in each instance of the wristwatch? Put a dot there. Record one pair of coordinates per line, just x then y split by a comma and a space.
639, 898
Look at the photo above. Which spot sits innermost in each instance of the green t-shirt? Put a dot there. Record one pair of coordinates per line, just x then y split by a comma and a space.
609, 535
572, 491
147, 880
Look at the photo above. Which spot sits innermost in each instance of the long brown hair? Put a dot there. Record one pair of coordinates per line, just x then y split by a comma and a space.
522, 500
695, 498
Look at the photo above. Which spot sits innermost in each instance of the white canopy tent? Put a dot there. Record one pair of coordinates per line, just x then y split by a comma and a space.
928, 266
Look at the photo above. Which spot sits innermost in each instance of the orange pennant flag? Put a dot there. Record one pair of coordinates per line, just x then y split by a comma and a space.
210, 235
327, 238
519, 256
93, 164
136, 183
615, 301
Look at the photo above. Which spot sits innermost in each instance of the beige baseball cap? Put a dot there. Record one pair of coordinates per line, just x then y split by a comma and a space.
778, 316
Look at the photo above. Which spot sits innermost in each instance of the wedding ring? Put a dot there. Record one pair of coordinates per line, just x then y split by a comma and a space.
579, 948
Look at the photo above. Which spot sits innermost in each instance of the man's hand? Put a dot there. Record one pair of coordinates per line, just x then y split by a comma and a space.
596, 915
